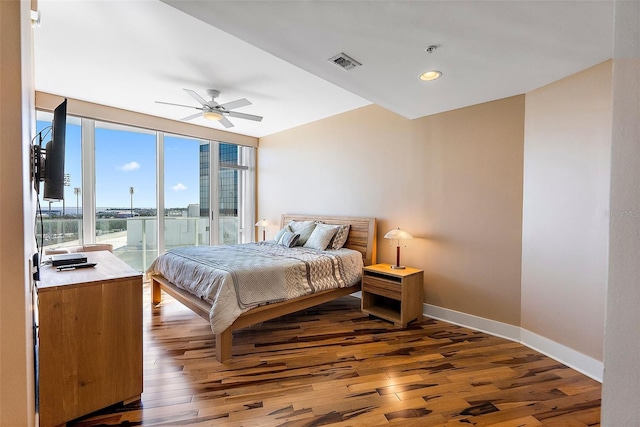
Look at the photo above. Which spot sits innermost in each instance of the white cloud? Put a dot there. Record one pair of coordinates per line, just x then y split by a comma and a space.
179, 187
131, 166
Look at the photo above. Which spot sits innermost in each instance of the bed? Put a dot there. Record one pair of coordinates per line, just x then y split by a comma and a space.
247, 308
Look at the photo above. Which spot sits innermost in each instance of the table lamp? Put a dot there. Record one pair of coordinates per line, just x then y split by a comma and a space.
398, 235
264, 224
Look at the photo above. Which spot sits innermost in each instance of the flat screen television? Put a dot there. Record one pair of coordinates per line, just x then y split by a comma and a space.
49, 163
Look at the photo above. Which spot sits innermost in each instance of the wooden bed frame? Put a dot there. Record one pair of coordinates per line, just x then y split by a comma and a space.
362, 237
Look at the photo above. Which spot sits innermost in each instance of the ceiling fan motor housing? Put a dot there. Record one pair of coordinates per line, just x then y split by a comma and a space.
213, 93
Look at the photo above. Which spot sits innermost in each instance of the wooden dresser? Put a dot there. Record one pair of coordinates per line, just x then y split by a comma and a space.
90, 338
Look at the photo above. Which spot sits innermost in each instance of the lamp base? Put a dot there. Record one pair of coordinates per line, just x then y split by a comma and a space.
398, 267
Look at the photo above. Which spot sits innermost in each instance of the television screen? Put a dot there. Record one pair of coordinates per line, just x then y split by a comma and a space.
54, 156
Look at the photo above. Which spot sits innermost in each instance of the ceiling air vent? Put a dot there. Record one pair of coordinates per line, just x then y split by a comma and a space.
344, 61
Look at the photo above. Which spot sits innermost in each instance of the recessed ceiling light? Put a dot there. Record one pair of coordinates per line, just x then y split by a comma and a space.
430, 75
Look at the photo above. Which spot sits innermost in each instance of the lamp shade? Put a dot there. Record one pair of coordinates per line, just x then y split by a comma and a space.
262, 223
398, 234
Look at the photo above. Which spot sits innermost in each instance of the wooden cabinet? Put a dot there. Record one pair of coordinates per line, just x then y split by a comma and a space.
90, 338
394, 295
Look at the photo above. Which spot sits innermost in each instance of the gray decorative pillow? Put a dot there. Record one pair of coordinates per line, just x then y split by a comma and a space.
281, 232
321, 236
288, 239
340, 238
304, 229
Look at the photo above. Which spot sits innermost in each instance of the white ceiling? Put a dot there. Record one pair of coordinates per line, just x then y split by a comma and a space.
128, 54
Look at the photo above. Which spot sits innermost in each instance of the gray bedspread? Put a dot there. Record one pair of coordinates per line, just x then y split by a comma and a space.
235, 278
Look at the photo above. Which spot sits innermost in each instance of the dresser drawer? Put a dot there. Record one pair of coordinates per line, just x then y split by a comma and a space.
379, 286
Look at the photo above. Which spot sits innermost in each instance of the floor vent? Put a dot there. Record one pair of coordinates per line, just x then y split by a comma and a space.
344, 61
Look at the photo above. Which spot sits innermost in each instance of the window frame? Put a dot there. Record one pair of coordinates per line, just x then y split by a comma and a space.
245, 166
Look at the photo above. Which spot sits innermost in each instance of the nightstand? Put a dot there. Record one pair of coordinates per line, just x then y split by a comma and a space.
393, 295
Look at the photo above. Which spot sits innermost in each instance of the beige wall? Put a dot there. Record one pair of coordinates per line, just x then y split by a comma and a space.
17, 121
622, 336
473, 195
566, 199
454, 180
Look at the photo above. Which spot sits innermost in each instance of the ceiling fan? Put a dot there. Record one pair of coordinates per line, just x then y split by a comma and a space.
211, 110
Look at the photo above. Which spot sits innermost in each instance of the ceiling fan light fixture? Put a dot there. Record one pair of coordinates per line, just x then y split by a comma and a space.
430, 75
212, 115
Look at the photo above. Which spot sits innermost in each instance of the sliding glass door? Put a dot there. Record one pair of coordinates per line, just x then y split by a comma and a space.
235, 193
125, 192
186, 192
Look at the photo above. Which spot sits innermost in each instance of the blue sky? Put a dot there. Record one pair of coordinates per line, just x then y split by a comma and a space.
127, 159
181, 171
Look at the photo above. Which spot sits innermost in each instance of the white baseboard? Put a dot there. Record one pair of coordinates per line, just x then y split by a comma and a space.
499, 329
567, 356
574, 359
580, 362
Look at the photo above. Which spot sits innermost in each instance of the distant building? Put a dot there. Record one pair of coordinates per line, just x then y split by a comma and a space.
228, 180
205, 170
126, 214
193, 210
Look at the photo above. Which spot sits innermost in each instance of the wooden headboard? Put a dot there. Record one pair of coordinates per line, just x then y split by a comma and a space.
362, 234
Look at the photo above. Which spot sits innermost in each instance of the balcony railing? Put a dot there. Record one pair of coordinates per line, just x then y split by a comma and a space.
135, 239
59, 232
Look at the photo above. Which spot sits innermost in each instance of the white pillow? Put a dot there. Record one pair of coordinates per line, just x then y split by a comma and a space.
281, 232
304, 229
288, 239
321, 236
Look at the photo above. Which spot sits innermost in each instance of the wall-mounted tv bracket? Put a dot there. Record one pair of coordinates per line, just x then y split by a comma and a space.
37, 163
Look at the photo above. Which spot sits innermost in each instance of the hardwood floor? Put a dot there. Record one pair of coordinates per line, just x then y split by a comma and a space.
331, 365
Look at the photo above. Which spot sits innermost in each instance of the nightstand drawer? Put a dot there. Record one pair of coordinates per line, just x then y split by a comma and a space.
387, 288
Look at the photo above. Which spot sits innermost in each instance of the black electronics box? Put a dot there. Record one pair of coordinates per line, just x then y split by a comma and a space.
66, 259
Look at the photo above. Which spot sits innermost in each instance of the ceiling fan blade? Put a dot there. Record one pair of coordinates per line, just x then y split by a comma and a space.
191, 117
245, 116
225, 122
239, 103
177, 105
196, 97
